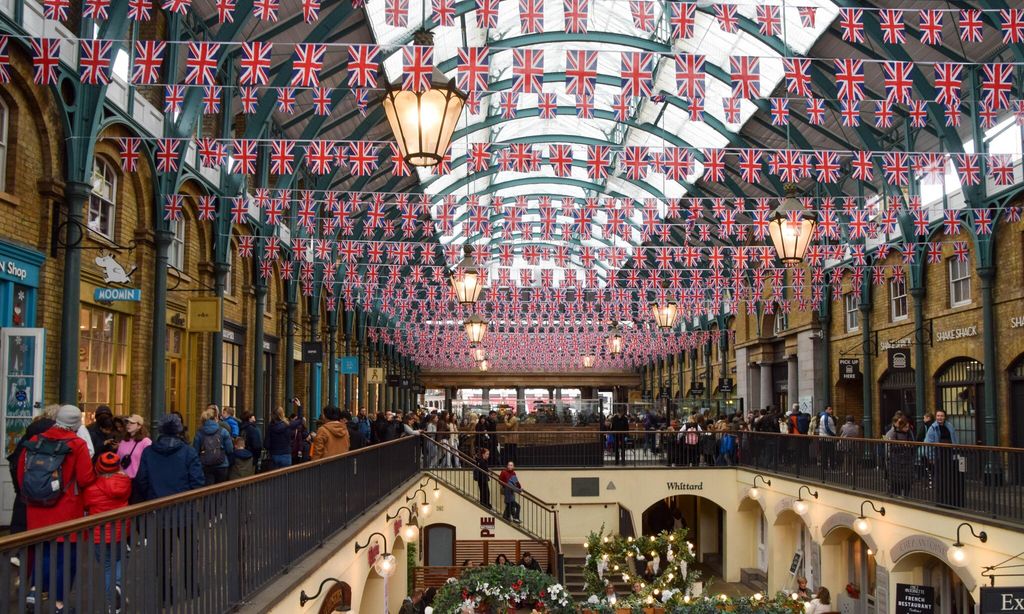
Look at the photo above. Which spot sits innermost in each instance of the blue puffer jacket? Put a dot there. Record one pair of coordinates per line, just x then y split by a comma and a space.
211, 428
168, 467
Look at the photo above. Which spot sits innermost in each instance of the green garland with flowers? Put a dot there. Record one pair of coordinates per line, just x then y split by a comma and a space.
757, 604
499, 587
614, 556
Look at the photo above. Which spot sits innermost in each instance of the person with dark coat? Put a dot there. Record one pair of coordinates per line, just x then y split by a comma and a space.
356, 438
102, 432
248, 447
529, 562
620, 426
280, 432
380, 429
169, 467
481, 477
215, 461
37, 427
395, 427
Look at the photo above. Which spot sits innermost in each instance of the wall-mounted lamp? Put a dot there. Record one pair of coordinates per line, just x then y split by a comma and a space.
340, 595
437, 486
800, 506
862, 525
753, 492
410, 530
424, 506
956, 553
385, 565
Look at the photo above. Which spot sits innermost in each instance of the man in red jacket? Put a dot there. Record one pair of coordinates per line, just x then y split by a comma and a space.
75, 474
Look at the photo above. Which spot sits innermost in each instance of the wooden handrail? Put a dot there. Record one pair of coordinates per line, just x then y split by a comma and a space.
126, 513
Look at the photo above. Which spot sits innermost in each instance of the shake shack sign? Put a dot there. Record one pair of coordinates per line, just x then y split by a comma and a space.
997, 600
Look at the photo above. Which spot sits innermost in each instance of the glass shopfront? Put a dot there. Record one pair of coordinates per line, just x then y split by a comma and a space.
231, 366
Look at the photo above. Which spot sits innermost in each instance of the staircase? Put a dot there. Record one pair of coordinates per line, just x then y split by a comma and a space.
754, 579
574, 580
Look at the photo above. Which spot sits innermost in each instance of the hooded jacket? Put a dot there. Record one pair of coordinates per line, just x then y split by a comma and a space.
331, 440
110, 491
76, 475
169, 467
212, 428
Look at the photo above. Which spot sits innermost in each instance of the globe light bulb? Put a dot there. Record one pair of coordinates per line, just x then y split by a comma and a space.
957, 555
753, 493
437, 493
801, 507
410, 532
424, 509
862, 526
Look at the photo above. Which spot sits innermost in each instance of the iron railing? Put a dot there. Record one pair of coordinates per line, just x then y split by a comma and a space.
207, 550
976, 480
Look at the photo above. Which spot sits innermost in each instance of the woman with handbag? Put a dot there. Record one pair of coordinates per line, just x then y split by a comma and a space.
130, 449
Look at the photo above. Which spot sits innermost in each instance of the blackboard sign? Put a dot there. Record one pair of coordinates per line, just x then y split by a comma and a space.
915, 599
849, 368
312, 351
996, 600
725, 384
899, 359
794, 567
697, 389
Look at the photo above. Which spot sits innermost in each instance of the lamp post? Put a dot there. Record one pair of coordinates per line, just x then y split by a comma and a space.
476, 328
423, 122
665, 311
791, 228
465, 278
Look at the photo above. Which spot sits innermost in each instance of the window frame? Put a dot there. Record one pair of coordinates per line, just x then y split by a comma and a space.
118, 372
176, 250
229, 278
965, 280
851, 313
96, 198
895, 298
5, 137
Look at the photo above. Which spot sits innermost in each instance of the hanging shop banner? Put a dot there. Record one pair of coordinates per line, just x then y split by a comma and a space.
899, 359
112, 295
849, 368
405, 383
349, 365
393, 379
915, 599
697, 389
725, 384
204, 314
997, 600
312, 351
375, 375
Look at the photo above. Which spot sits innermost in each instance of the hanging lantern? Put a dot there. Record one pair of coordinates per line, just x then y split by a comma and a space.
588, 362
465, 279
423, 122
476, 328
665, 314
483, 365
615, 341
479, 354
791, 228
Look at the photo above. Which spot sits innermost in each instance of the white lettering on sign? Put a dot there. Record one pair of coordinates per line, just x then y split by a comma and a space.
1017, 322
892, 344
14, 270
1011, 603
957, 333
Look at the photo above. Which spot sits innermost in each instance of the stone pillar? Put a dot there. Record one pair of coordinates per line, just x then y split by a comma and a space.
485, 398
792, 382
753, 396
767, 386
520, 399
449, 394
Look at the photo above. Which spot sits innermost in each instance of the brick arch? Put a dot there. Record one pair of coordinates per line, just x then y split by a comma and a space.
193, 189
46, 118
140, 182
833, 527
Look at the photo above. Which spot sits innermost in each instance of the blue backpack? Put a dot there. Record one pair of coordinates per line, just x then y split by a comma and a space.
727, 445
42, 484
803, 423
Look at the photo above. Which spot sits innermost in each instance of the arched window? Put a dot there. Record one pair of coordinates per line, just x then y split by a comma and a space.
960, 392
4, 124
102, 202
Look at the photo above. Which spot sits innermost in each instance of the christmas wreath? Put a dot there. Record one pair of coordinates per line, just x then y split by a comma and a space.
497, 588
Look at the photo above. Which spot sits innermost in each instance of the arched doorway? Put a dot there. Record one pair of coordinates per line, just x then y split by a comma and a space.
897, 392
752, 515
960, 392
1016, 397
794, 553
849, 561
952, 594
705, 521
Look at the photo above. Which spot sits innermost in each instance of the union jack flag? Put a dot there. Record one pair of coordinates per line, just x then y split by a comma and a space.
244, 155
863, 167
683, 18
285, 99
750, 165
850, 78
891, 23
130, 155
585, 107
479, 157
363, 63
746, 76
246, 243
281, 157
548, 105
621, 106
690, 75
211, 99
167, 155
1012, 25
207, 208
94, 61
714, 165
176, 6
815, 111
149, 57
883, 113
967, 168
201, 63
56, 10
45, 60
95, 9
418, 63
599, 161
531, 16
139, 10
970, 25
174, 97
225, 10
322, 101
725, 14
486, 14
637, 73
576, 14
898, 81
249, 99
952, 115
918, 112
930, 25
768, 19
676, 163
635, 162
508, 104
396, 13
527, 70
807, 14
780, 111
643, 15
309, 59
986, 115
172, 207
255, 63
444, 12
731, 108
266, 10
211, 152
948, 79
895, 164
695, 107
320, 156
362, 158
560, 158
797, 73
997, 81
849, 112
472, 69
1000, 169
851, 23
311, 10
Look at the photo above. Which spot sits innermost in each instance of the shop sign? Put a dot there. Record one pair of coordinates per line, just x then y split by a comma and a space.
419, 389
312, 351
957, 333
794, 566
996, 600
113, 272
889, 344
348, 365
899, 359
696, 389
725, 384
111, 295
849, 368
1017, 322
231, 336
487, 526
338, 598
375, 375
204, 314
915, 599
13, 271
685, 486
393, 379
405, 383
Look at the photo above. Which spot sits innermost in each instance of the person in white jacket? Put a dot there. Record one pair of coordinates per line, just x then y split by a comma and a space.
821, 603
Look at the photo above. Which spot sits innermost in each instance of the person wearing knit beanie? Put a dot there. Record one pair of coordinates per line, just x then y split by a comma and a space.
108, 462
171, 425
69, 418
